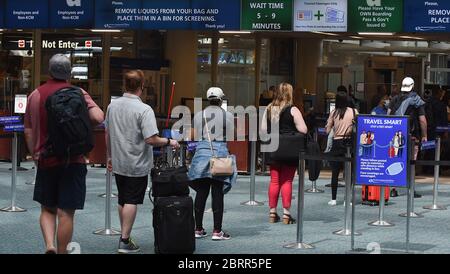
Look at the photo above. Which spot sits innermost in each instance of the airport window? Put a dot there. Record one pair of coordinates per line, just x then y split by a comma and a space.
236, 69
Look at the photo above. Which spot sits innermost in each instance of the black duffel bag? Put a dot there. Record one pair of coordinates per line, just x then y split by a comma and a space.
290, 145
170, 181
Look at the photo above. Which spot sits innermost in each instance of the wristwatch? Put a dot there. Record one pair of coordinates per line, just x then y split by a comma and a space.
168, 141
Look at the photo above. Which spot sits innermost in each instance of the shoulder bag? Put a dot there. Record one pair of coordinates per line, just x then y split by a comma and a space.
218, 166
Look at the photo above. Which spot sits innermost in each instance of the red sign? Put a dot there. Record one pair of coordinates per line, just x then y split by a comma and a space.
88, 44
21, 44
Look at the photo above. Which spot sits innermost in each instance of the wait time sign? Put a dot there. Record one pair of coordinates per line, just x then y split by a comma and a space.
267, 15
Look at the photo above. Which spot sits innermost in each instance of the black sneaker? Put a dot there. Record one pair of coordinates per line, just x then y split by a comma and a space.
130, 247
417, 195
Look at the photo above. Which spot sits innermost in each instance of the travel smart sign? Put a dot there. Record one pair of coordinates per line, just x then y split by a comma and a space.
382, 151
2, 8
375, 15
266, 15
320, 15
427, 16
162, 14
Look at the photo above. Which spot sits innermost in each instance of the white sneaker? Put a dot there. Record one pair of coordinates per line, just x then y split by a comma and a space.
332, 203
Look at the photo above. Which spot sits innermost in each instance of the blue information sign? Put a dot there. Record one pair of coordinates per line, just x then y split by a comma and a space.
10, 120
14, 128
31, 14
427, 16
382, 151
71, 13
163, 14
2, 18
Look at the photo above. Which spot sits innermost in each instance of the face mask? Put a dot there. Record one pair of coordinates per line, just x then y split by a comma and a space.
386, 103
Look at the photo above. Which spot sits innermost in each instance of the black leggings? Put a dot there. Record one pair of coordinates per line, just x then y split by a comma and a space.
338, 150
202, 186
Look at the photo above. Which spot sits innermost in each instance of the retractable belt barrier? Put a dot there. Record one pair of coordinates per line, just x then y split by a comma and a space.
349, 229
252, 201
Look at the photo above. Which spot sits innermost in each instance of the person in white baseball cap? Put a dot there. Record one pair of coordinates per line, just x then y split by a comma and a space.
211, 128
407, 84
215, 93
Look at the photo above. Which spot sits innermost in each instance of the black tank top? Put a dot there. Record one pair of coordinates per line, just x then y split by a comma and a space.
287, 124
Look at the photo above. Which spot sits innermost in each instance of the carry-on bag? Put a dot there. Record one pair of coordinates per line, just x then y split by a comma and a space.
371, 195
174, 225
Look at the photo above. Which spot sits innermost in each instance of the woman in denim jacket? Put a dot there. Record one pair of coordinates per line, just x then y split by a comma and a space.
219, 122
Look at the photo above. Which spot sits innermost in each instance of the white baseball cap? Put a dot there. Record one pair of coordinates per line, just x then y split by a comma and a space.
215, 93
407, 84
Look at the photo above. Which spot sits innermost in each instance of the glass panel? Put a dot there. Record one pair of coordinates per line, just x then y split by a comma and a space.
85, 52
237, 70
334, 81
204, 57
276, 62
16, 68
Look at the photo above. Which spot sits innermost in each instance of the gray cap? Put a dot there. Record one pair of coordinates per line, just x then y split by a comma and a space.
60, 67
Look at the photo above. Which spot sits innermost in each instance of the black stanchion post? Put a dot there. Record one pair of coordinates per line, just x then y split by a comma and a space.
300, 206
437, 158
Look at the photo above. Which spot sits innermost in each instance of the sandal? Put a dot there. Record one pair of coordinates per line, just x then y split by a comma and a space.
274, 218
288, 220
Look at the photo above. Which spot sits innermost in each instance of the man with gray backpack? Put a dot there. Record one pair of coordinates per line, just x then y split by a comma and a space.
408, 102
58, 132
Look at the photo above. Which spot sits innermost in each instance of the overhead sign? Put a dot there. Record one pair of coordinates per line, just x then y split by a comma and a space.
320, 15
71, 13
14, 128
10, 120
427, 16
2, 18
382, 151
266, 15
20, 104
31, 14
375, 15
162, 14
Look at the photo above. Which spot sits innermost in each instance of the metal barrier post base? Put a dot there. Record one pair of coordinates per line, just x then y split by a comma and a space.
252, 203
107, 232
32, 183
435, 207
299, 246
13, 209
346, 232
104, 195
411, 215
314, 189
381, 223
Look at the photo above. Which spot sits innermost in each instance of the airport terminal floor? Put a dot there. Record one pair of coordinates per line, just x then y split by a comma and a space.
249, 226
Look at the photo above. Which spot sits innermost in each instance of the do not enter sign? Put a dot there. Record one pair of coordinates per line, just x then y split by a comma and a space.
20, 104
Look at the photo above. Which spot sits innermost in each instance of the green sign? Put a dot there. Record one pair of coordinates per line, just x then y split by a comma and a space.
266, 15
375, 15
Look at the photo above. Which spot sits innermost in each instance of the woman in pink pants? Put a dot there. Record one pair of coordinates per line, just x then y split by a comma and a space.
289, 120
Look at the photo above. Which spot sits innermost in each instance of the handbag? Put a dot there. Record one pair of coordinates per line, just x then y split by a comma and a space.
289, 147
218, 166
170, 181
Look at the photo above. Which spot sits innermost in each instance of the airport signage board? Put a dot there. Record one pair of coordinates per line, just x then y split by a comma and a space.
2, 17
427, 16
375, 15
30, 14
267, 15
14, 128
162, 14
382, 147
320, 15
5, 120
64, 14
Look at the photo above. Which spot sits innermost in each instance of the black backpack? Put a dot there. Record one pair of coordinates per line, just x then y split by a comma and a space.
69, 126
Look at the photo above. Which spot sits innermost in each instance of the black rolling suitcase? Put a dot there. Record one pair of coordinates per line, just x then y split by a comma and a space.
174, 225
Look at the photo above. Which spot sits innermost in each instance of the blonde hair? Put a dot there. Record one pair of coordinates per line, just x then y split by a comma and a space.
282, 98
